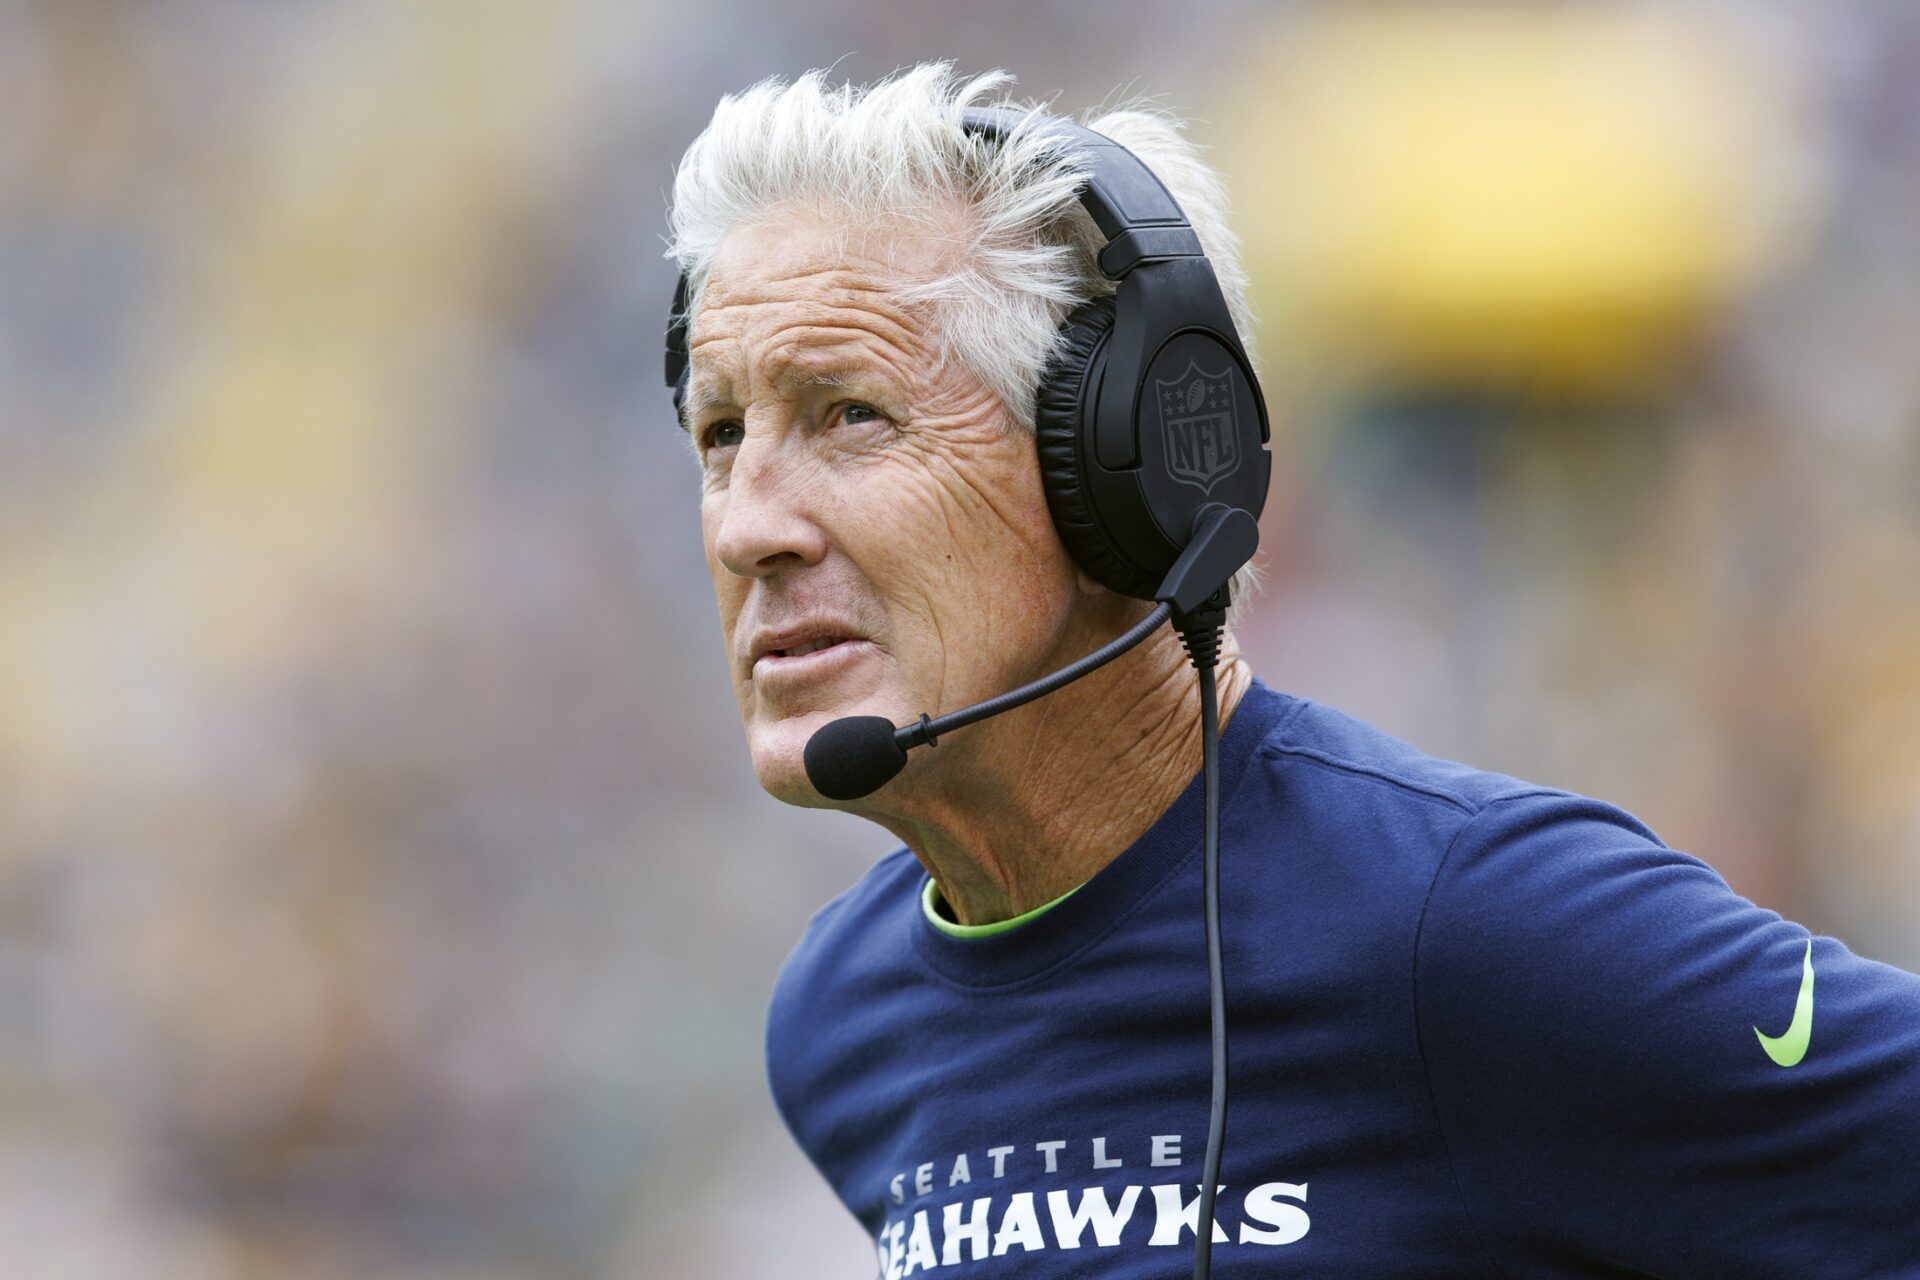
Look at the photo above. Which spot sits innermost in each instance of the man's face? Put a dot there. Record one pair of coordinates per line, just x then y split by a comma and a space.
874, 522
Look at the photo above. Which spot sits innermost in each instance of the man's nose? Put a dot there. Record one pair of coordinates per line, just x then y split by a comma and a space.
764, 526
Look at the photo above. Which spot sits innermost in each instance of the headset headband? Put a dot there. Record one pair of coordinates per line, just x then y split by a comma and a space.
1137, 215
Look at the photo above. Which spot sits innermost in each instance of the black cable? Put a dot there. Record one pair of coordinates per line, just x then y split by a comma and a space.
1216, 982
923, 733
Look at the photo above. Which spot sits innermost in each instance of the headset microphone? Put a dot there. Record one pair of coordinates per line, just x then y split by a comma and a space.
853, 756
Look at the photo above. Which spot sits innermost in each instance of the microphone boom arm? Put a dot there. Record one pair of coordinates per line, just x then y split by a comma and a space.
923, 731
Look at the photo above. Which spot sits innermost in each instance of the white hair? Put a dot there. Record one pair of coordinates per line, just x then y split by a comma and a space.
894, 153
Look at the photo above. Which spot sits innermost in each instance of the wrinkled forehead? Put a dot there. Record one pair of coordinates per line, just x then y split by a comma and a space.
808, 257
805, 302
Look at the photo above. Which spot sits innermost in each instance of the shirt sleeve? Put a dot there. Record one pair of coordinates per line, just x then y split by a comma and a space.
1637, 1071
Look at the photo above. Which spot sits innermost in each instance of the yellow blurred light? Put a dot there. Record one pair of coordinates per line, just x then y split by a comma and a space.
1510, 189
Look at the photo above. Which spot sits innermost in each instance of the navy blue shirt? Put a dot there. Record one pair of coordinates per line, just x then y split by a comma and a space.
1478, 1028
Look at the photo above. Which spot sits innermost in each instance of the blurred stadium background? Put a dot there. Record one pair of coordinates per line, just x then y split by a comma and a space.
383, 888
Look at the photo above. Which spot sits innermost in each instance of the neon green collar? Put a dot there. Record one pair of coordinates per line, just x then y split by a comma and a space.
930, 894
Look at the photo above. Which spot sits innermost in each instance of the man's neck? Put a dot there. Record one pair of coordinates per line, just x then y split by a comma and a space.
1047, 795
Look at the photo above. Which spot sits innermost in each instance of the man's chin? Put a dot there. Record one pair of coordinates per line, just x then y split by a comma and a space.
779, 756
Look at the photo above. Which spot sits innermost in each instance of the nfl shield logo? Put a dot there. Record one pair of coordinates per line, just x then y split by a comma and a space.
1196, 411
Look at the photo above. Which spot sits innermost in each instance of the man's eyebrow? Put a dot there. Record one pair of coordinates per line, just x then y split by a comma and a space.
699, 398
706, 395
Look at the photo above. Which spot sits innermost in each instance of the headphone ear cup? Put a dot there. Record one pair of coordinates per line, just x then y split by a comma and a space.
1057, 430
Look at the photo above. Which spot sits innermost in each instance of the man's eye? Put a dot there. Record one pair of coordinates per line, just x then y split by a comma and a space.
724, 435
855, 413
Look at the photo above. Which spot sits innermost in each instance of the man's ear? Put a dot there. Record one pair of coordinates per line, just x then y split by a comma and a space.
1088, 587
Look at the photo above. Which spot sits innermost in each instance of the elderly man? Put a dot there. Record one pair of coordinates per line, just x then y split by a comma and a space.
1478, 1027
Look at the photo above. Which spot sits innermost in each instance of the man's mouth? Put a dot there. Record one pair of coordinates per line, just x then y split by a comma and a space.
807, 648
810, 646
808, 663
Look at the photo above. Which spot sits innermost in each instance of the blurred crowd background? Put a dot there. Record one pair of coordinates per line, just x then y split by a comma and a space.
383, 888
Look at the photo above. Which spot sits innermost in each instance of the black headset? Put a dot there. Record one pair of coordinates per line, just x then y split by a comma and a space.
1152, 435
1148, 414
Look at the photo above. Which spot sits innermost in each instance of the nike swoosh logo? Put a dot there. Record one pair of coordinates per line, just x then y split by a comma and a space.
1789, 1048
